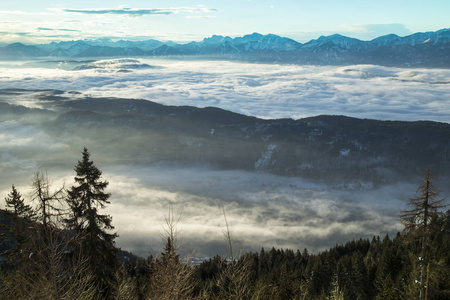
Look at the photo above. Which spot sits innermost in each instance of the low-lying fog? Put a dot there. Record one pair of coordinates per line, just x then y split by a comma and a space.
263, 90
263, 210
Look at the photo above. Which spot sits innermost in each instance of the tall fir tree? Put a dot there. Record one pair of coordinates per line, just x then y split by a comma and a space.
21, 215
92, 229
16, 204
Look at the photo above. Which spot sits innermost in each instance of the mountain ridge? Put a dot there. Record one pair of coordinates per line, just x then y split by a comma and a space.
423, 49
331, 149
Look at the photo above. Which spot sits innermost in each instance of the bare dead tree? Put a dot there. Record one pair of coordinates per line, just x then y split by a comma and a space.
227, 235
49, 202
234, 280
417, 220
47, 271
172, 277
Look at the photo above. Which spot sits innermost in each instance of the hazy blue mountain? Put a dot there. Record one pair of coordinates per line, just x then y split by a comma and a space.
260, 42
341, 41
383, 41
166, 50
19, 50
426, 49
78, 48
99, 51
145, 45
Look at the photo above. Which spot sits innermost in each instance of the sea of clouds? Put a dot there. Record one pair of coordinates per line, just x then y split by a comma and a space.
262, 90
263, 210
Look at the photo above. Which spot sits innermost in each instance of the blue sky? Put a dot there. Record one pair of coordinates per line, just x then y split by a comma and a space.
31, 21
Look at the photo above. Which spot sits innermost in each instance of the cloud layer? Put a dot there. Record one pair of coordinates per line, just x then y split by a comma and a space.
267, 91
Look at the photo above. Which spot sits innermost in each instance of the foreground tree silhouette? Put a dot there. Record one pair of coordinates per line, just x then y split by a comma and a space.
172, 278
418, 219
91, 228
16, 204
15, 233
37, 266
49, 203
21, 213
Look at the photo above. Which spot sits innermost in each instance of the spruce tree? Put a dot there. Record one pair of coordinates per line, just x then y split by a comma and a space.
16, 204
21, 215
92, 228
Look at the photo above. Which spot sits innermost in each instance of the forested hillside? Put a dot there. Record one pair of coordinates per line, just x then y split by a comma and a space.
327, 149
61, 246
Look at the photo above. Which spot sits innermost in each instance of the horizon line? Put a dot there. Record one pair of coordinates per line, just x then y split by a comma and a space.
142, 39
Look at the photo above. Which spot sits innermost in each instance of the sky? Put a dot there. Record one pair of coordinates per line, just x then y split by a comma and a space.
30, 21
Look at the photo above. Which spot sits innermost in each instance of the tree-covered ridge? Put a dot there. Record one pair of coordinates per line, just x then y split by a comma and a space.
337, 150
64, 249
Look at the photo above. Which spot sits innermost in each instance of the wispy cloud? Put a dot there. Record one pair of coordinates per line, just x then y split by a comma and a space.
376, 30
56, 29
15, 33
200, 17
138, 11
18, 12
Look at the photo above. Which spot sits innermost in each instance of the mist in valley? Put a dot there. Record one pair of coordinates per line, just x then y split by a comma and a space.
261, 90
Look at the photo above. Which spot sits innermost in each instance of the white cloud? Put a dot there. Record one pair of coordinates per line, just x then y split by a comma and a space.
267, 91
20, 12
371, 31
122, 10
137, 11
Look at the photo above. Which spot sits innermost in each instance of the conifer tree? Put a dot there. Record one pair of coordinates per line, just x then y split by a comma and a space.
21, 212
21, 215
16, 204
92, 228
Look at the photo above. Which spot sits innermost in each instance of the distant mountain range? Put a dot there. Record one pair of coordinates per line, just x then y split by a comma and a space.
428, 49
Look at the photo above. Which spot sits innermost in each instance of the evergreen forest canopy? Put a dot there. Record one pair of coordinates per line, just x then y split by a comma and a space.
61, 246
